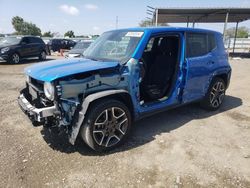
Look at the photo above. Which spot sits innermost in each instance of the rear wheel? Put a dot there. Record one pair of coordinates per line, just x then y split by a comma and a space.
107, 125
15, 58
215, 94
42, 56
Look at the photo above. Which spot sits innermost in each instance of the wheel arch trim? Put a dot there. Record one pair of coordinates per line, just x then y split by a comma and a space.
84, 108
221, 74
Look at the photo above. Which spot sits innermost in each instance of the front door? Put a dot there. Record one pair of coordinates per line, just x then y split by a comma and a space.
162, 75
26, 47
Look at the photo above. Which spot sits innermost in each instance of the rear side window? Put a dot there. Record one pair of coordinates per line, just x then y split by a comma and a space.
199, 44
26, 40
196, 44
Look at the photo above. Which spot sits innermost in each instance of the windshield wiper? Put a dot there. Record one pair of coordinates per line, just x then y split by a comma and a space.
92, 58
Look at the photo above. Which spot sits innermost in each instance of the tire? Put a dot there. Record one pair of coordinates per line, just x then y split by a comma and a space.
14, 58
106, 126
215, 95
42, 56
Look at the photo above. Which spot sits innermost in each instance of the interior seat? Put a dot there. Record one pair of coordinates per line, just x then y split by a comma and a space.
161, 71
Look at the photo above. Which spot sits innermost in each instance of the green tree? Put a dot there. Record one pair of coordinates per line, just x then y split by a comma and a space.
145, 23
95, 36
48, 34
242, 32
56, 34
17, 23
25, 28
69, 34
148, 23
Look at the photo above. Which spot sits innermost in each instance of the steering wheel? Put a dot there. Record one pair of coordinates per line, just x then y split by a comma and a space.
113, 51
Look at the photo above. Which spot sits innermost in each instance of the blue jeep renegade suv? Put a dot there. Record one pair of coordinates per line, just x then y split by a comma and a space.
123, 76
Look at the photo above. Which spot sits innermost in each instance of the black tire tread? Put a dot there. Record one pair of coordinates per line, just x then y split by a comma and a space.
40, 55
94, 109
205, 103
11, 57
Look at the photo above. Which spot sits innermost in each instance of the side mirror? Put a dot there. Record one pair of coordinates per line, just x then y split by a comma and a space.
22, 43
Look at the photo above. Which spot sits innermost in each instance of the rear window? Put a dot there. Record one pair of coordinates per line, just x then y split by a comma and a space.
199, 44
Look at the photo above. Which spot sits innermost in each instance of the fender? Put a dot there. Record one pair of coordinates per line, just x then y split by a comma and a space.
85, 104
226, 70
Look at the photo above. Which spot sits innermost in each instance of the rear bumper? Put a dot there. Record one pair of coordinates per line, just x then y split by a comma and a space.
35, 114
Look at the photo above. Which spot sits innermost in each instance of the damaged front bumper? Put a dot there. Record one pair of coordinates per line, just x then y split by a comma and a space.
35, 114
39, 116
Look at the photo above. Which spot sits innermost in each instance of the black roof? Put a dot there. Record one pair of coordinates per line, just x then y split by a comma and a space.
201, 15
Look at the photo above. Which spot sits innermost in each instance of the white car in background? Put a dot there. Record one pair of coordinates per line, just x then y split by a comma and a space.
78, 49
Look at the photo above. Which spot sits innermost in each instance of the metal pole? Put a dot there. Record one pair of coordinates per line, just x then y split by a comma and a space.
187, 21
225, 26
116, 22
156, 17
235, 35
193, 24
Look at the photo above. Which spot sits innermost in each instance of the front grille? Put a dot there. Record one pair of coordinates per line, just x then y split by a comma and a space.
36, 94
37, 83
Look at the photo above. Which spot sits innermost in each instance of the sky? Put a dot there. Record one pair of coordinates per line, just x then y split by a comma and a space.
94, 17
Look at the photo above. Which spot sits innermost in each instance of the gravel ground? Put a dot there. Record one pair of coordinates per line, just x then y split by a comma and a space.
184, 147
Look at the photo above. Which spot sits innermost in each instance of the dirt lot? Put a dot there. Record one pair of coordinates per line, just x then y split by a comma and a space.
184, 147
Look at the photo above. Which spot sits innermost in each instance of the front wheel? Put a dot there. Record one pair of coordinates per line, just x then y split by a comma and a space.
215, 94
107, 125
15, 58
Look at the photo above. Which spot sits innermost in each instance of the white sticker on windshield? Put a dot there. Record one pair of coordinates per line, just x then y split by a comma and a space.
134, 34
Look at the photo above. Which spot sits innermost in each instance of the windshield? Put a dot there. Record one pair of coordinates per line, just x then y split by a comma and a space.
114, 46
10, 40
82, 45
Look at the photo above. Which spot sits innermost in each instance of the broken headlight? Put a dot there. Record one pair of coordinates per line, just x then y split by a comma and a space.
49, 90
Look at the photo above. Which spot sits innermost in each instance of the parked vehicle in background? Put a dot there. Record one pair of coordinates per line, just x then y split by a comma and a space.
57, 44
126, 75
46, 41
79, 48
14, 48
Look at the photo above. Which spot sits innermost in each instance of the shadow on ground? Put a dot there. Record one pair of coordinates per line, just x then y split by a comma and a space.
240, 54
145, 130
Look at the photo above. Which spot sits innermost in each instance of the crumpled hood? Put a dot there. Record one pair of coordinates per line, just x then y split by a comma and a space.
52, 70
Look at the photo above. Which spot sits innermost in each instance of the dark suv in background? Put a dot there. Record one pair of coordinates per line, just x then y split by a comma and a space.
57, 44
14, 48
